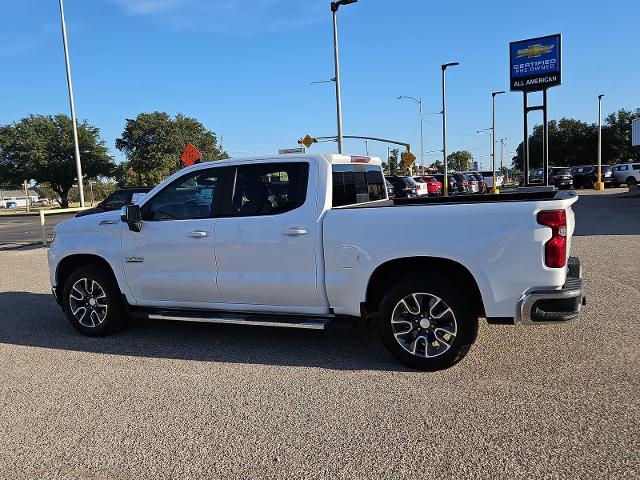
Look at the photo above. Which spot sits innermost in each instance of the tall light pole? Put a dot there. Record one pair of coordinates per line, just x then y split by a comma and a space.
334, 10
494, 188
444, 124
419, 101
599, 184
72, 105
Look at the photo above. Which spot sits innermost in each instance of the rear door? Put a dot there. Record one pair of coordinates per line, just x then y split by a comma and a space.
268, 239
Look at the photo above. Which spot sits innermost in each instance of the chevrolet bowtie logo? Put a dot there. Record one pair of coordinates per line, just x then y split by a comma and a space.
534, 50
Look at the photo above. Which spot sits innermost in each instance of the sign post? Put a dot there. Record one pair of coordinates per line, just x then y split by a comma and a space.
536, 65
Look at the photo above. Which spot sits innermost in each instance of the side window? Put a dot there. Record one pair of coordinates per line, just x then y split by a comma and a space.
137, 196
269, 188
116, 200
636, 167
187, 198
353, 184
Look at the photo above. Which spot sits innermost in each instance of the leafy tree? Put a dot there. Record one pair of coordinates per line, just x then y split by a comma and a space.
460, 160
153, 143
41, 148
392, 165
574, 142
616, 137
438, 165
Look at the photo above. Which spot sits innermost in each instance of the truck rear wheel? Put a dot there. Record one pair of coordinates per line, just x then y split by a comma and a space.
427, 324
92, 301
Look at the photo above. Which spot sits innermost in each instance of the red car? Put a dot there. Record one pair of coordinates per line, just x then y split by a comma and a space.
434, 187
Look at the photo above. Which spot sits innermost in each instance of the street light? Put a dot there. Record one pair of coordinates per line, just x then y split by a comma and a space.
599, 185
494, 188
444, 124
334, 10
74, 123
419, 101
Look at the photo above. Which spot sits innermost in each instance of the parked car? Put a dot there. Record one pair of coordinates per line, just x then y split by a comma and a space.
472, 181
404, 186
482, 187
11, 205
560, 177
421, 186
276, 241
390, 190
487, 175
453, 183
434, 187
626, 173
116, 200
463, 182
587, 176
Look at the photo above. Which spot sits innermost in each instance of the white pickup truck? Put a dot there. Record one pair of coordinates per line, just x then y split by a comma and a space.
312, 241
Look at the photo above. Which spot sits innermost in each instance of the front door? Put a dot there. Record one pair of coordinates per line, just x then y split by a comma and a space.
170, 262
266, 244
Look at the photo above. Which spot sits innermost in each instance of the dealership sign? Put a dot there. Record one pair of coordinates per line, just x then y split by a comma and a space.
535, 64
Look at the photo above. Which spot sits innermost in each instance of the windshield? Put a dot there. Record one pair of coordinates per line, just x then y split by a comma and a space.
419, 180
409, 181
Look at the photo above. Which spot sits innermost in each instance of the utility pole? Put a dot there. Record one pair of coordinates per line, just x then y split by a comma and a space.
420, 105
599, 184
74, 123
494, 188
444, 125
336, 58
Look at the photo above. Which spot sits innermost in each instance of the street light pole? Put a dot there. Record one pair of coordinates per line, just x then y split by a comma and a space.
494, 188
334, 10
420, 104
599, 185
74, 123
444, 125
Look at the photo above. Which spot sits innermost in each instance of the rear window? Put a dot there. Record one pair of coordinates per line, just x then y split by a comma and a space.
353, 184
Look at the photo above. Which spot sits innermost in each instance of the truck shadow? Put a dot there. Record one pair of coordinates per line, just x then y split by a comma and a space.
34, 319
612, 214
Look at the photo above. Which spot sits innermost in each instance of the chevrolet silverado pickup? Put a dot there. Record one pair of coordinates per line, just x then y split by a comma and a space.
312, 241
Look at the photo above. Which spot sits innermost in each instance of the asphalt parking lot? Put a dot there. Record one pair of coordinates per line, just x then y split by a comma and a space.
16, 230
170, 400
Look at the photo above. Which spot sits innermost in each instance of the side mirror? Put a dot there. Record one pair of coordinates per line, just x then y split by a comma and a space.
132, 216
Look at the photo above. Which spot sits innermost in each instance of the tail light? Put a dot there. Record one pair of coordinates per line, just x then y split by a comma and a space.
555, 250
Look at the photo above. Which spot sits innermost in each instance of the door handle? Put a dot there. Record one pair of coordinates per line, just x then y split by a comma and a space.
294, 232
198, 234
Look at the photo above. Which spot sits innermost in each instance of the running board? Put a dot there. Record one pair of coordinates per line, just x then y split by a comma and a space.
282, 321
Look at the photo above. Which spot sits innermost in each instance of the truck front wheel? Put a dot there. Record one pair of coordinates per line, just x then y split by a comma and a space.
92, 301
427, 324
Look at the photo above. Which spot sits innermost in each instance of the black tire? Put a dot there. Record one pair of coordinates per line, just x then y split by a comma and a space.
106, 320
465, 322
631, 181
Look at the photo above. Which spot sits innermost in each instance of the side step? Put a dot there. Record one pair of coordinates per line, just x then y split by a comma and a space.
283, 321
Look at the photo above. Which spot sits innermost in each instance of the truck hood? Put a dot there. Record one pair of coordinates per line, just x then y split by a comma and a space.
88, 222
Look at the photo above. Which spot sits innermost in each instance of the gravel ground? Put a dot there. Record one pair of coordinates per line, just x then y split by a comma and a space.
165, 400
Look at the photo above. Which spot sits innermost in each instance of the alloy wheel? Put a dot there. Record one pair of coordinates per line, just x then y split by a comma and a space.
424, 325
88, 302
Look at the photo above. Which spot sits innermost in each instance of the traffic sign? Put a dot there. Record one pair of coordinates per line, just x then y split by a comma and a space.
408, 158
190, 155
307, 141
288, 151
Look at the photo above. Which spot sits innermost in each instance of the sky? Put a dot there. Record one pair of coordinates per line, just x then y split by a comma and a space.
244, 67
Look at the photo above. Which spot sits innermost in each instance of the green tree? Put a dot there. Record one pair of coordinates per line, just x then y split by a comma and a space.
616, 137
153, 142
574, 142
392, 165
460, 160
41, 148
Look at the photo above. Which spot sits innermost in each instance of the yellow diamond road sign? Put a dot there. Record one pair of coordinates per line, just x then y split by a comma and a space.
408, 158
308, 141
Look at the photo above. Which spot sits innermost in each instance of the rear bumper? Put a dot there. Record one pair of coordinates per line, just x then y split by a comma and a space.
543, 306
